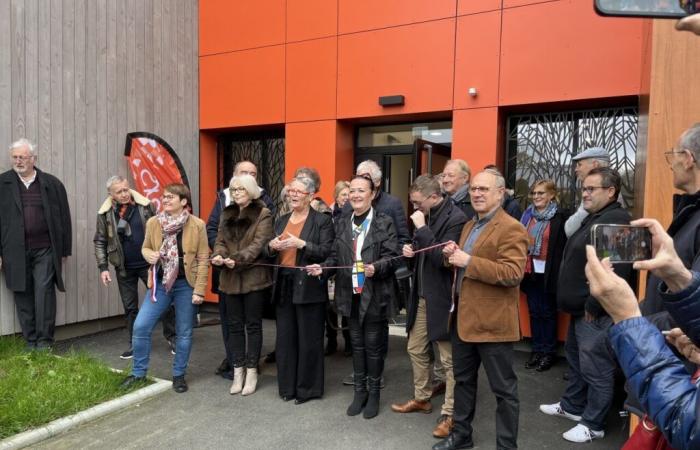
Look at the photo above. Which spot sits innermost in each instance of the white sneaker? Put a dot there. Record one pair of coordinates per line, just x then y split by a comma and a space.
581, 433
555, 409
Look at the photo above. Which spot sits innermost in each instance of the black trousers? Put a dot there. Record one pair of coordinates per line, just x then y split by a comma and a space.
497, 358
36, 305
368, 339
244, 312
299, 349
332, 327
129, 292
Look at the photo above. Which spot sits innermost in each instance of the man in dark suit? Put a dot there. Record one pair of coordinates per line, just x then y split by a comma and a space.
490, 259
36, 237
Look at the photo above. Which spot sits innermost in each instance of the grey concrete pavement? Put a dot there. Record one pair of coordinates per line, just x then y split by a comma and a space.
208, 417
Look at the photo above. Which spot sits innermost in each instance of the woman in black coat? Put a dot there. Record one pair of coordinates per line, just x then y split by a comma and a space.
366, 241
544, 221
303, 236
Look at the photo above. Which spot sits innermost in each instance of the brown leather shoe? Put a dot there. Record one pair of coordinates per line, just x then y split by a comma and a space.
413, 405
444, 426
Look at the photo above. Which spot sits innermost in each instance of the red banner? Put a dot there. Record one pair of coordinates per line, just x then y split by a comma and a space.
153, 164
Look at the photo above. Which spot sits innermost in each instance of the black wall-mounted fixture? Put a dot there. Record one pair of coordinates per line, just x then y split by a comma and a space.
391, 100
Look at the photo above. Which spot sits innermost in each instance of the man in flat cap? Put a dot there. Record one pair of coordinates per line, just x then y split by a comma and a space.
587, 160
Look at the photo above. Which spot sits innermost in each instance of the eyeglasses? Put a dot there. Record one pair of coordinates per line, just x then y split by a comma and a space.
168, 196
590, 189
538, 193
479, 189
22, 158
237, 190
295, 192
669, 155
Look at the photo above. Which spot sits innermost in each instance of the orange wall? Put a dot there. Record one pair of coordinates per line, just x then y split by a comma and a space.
319, 66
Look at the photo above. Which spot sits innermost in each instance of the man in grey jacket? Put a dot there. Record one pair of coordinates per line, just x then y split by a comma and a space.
121, 225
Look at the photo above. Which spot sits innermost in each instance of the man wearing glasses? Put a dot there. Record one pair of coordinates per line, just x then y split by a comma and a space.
685, 227
589, 392
36, 237
587, 160
490, 263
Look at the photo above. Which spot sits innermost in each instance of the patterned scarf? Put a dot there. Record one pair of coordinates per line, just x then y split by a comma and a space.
169, 257
541, 222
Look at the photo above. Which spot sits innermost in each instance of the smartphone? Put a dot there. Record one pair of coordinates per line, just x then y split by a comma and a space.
660, 9
621, 243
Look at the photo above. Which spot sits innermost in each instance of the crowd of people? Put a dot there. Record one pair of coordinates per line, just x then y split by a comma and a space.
467, 250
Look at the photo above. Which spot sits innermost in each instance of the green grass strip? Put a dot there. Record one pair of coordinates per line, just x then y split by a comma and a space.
38, 387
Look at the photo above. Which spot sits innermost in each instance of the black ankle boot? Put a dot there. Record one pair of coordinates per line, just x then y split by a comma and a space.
534, 360
372, 406
360, 398
546, 362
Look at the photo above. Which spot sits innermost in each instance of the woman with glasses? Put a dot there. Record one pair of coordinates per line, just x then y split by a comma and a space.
244, 230
303, 236
365, 247
176, 247
544, 221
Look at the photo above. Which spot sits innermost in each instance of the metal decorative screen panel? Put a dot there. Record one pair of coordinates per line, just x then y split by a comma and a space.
542, 145
265, 151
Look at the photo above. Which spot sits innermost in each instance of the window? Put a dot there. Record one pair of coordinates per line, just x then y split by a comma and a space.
542, 145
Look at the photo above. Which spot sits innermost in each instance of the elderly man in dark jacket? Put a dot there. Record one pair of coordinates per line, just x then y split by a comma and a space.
654, 374
35, 237
685, 227
436, 220
119, 234
589, 392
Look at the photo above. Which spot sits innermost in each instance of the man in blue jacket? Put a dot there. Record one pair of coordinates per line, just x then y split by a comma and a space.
654, 374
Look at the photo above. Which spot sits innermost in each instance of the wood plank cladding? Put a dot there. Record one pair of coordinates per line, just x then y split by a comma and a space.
75, 77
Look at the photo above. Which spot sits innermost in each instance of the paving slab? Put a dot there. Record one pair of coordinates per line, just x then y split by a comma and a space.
208, 417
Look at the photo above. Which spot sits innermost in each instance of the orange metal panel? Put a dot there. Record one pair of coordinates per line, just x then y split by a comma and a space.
207, 187
312, 144
564, 51
311, 19
226, 25
362, 15
516, 3
476, 6
475, 136
477, 59
416, 61
242, 88
311, 79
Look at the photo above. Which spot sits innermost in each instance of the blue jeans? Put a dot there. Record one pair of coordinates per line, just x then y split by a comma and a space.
181, 296
590, 390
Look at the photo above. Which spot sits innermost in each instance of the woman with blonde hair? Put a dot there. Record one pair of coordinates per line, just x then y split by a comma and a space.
544, 221
244, 230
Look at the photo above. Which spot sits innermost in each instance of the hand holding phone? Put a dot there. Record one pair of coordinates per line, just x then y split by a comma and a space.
621, 243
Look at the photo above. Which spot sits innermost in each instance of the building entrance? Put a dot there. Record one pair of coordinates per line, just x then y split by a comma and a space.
405, 151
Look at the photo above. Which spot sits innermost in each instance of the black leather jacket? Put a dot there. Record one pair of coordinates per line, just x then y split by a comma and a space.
108, 248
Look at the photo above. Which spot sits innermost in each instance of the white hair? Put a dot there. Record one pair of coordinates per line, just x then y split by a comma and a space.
500, 180
114, 179
248, 183
24, 142
372, 168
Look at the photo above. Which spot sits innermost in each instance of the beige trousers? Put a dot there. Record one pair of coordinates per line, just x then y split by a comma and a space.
418, 351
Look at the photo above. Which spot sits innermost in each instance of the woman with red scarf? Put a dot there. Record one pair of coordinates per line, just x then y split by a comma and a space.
176, 247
